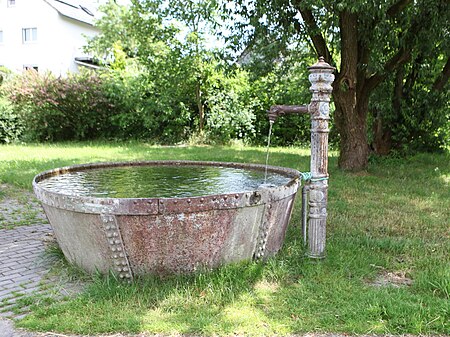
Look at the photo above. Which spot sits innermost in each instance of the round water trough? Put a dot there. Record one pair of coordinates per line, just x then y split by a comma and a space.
160, 235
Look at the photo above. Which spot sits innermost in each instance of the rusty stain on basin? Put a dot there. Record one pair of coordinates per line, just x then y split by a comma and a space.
134, 236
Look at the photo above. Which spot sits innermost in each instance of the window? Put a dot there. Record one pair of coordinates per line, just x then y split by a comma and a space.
1, 36
11, 3
29, 35
28, 67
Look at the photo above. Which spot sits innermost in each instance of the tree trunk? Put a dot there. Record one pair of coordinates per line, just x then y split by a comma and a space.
351, 123
351, 99
382, 131
382, 135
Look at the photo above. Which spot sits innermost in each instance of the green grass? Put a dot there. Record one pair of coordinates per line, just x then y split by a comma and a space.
391, 220
18, 207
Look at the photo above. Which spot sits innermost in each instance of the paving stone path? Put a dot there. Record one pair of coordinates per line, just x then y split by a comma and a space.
22, 264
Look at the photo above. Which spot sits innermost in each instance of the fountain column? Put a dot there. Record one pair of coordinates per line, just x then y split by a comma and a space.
321, 77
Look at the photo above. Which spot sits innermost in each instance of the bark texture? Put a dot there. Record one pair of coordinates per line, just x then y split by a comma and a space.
351, 99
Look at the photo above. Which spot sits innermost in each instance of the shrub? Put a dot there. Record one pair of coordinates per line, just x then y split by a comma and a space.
121, 104
143, 109
57, 108
286, 83
418, 122
4, 74
228, 113
11, 126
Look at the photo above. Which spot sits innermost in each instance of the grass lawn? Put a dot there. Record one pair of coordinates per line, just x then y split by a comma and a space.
387, 268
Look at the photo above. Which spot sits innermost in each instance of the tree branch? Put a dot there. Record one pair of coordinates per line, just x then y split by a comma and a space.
400, 58
364, 53
348, 25
313, 31
403, 55
443, 77
397, 7
363, 60
412, 77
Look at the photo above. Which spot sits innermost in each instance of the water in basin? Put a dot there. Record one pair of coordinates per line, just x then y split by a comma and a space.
160, 181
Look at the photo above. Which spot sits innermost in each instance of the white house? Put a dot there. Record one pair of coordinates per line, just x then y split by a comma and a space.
45, 34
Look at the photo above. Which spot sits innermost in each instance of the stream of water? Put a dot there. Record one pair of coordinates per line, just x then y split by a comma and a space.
267, 151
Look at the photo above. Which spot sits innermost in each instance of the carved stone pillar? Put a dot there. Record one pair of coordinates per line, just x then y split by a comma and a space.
321, 77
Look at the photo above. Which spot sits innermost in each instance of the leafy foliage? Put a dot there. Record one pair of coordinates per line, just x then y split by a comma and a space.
367, 42
411, 117
228, 111
4, 74
162, 83
285, 83
182, 87
11, 127
410, 109
56, 108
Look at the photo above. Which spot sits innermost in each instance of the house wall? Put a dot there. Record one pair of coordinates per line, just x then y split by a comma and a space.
59, 39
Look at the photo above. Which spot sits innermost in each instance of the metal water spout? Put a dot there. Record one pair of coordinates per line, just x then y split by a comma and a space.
321, 78
280, 110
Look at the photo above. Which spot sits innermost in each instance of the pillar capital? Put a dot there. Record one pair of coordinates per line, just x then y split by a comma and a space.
321, 77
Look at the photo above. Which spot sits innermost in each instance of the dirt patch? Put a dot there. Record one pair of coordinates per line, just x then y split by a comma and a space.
395, 279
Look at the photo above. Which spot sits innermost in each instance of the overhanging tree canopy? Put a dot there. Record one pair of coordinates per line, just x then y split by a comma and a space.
365, 40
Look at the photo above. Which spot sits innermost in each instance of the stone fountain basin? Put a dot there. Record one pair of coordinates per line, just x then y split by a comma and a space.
135, 236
